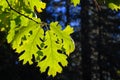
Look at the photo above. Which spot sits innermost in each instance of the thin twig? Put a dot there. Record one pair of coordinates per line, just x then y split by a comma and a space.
97, 5
20, 13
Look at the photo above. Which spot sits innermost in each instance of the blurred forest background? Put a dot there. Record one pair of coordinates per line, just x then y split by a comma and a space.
97, 41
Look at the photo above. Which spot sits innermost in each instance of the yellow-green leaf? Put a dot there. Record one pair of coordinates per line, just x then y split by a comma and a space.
26, 38
68, 40
11, 32
30, 45
114, 6
36, 3
75, 2
3, 4
56, 40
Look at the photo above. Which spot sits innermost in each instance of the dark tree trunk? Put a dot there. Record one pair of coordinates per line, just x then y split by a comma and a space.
85, 41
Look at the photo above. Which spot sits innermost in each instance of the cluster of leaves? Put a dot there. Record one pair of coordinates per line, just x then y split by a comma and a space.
48, 43
27, 35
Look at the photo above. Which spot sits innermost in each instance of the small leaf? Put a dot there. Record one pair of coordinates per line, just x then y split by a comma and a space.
39, 5
75, 2
114, 6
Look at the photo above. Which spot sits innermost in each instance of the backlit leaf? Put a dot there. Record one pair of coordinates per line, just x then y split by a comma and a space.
55, 40
75, 2
50, 47
26, 38
36, 3
114, 6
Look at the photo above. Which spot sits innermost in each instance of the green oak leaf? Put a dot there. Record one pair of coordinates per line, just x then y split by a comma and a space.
26, 39
30, 45
56, 39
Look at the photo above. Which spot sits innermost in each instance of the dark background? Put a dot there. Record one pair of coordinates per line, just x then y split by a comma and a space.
97, 41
